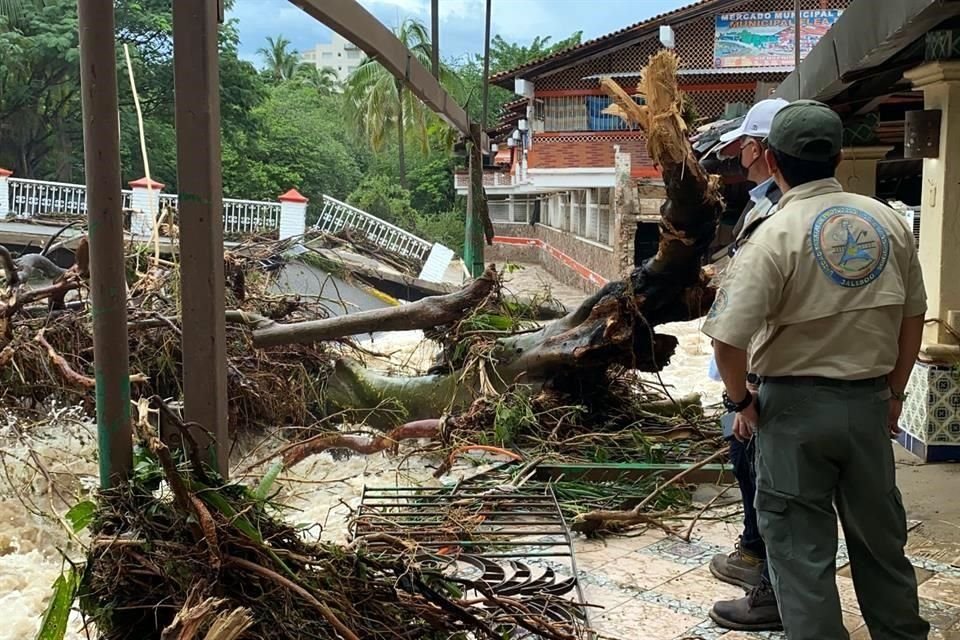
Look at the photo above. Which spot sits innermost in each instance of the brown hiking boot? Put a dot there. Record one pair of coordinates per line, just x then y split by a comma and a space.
757, 611
740, 568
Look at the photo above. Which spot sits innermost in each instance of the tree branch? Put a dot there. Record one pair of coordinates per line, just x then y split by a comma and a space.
424, 314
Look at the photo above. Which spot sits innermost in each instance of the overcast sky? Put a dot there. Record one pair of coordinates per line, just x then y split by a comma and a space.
461, 21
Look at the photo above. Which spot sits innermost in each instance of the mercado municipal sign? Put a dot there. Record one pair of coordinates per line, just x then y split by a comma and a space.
766, 38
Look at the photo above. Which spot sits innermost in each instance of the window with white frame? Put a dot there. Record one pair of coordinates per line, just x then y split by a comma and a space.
499, 209
523, 209
604, 215
580, 221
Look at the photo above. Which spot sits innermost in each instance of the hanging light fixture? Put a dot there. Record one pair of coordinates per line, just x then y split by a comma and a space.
522, 125
511, 142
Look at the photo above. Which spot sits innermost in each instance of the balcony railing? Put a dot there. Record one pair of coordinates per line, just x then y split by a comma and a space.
490, 179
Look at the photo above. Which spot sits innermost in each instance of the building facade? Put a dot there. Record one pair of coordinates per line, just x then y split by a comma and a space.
559, 178
339, 54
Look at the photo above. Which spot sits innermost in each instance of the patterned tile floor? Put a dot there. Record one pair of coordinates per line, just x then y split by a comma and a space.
651, 587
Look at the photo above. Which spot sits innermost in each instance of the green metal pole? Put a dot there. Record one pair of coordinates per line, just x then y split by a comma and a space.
101, 149
473, 247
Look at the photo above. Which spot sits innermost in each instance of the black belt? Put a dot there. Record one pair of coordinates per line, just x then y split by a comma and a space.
820, 382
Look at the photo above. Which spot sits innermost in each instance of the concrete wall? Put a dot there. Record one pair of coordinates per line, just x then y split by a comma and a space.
572, 260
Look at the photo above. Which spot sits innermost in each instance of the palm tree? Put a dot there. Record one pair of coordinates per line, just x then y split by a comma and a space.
375, 99
324, 79
281, 61
12, 10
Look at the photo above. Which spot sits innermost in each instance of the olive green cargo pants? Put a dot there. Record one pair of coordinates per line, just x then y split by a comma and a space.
824, 443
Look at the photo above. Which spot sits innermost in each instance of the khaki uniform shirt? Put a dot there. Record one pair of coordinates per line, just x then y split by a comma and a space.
821, 288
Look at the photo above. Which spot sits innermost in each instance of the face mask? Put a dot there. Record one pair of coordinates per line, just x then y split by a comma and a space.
745, 170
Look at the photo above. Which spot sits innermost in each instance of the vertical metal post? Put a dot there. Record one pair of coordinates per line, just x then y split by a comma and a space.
473, 247
435, 37
796, 53
486, 69
197, 91
101, 154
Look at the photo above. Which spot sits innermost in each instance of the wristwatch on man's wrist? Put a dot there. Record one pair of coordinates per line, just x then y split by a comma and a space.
899, 396
737, 407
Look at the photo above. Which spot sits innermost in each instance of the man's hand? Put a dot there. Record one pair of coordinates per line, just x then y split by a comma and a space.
893, 417
745, 423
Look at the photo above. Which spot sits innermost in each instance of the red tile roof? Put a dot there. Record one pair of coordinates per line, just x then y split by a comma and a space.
626, 34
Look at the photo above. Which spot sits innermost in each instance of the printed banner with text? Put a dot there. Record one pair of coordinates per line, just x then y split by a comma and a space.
766, 39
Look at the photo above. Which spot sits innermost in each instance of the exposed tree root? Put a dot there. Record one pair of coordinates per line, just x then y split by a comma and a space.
72, 377
421, 429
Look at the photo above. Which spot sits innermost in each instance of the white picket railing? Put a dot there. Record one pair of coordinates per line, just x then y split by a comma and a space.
29, 198
245, 216
492, 179
32, 198
22, 198
336, 215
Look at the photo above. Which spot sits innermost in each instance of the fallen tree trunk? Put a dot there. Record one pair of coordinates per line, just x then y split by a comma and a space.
423, 314
613, 327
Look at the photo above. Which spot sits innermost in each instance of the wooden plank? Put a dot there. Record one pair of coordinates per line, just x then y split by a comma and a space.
101, 151
357, 25
709, 474
197, 90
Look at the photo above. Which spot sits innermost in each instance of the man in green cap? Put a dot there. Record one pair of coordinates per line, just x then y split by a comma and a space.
828, 297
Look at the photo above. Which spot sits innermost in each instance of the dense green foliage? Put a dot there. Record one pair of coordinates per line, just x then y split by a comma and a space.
285, 125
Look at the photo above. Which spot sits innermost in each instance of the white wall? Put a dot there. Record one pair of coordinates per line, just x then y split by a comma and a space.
340, 55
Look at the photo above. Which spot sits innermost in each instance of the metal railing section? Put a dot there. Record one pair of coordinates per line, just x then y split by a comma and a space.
29, 198
32, 198
336, 215
243, 216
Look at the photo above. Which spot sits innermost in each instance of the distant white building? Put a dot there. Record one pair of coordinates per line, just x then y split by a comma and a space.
340, 55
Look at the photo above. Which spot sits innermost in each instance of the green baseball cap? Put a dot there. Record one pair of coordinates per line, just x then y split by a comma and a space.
807, 130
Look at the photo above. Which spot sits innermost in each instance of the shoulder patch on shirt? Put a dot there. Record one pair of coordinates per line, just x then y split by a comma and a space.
719, 304
850, 246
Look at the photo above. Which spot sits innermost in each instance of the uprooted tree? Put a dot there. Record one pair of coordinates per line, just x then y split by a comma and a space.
615, 327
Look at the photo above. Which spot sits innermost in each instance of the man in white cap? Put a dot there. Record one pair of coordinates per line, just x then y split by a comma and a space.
746, 565
748, 142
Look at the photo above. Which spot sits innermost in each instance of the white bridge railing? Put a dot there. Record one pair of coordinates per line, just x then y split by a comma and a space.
33, 198
25, 199
337, 215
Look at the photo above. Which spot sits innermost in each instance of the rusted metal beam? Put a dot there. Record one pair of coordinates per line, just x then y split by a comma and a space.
101, 154
357, 25
197, 91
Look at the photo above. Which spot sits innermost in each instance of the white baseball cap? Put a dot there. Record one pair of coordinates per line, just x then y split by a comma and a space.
758, 121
